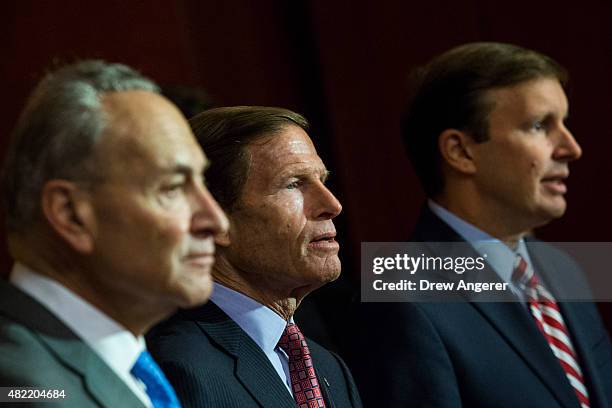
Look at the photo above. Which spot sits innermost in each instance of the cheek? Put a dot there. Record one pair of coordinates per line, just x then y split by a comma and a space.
535, 169
538, 155
523, 161
524, 172
287, 213
176, 228
290, 203
168, 232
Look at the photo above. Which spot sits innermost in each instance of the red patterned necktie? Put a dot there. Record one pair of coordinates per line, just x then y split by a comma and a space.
548, 317
306, 389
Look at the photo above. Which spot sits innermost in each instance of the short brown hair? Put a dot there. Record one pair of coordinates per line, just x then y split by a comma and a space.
448, 93
224, 134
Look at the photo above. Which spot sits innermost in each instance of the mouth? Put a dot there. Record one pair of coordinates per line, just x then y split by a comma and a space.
555, 184
201, 260
324, 242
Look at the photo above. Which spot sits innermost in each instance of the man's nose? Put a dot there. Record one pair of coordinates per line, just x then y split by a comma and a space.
326, 206
567, 148
208, 217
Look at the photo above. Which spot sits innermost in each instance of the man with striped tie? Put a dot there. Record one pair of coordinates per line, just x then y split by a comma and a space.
485, 131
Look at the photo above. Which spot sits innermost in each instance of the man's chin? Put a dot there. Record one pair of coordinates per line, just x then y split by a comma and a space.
319, 276
197, 292
330, 270
556, 209
314, 282
329, 275
547, 214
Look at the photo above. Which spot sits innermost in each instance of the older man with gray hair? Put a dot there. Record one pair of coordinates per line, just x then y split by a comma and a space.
111, 229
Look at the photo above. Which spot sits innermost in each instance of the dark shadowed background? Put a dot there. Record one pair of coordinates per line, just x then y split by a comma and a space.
343, 64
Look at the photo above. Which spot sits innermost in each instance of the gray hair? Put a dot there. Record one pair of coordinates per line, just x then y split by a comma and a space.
57, 132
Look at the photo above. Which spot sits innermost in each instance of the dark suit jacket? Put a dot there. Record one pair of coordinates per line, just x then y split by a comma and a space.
38, 350
212, 362
468, 354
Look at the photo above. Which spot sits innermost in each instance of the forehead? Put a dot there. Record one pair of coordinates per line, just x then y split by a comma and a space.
530, 98
145, 130
290, 149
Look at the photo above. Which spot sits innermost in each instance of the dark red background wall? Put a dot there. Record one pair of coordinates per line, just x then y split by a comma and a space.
341, 63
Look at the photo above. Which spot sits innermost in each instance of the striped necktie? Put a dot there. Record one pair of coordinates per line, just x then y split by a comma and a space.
304, 382
548, 318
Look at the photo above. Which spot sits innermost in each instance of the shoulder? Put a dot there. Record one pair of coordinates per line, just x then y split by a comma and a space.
197, 367
411, 331
25, 359
178, 338
407, 353
209, 360
430, 228
193, 340
403, 316
559, 270
549, 252
321, 355
335, 375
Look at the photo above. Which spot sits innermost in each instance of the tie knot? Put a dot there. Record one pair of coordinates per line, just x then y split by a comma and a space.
293, 342
523, 273
157, 386
526, 279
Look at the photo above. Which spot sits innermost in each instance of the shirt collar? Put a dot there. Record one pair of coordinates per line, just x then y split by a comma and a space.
499, 256
261, 323
118, 347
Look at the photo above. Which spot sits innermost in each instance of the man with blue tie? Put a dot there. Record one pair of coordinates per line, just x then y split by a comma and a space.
485, 130
111, 228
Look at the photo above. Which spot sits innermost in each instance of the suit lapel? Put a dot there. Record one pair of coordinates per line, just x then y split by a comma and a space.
323, 375
510, 319
575, 325
514, 323
253, 369
557, 284
101, 382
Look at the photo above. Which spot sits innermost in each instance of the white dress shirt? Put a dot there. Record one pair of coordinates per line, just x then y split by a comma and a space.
114, 344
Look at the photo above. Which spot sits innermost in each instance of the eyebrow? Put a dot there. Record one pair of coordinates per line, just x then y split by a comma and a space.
302, 171
184, 169
553, 113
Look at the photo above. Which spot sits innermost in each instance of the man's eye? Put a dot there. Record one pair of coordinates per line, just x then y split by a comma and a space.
538, 125
293, 185
173, 190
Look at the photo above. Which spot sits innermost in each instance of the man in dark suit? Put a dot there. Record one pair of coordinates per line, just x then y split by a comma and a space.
485, 131
243, 348
111, 229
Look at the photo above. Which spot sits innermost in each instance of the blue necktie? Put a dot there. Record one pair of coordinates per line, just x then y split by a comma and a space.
159, 389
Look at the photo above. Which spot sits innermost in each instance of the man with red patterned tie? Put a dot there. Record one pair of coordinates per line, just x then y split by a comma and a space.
244, 349
485, 131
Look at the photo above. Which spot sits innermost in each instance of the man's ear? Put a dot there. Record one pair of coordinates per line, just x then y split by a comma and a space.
69, 213
223, 239
456, 149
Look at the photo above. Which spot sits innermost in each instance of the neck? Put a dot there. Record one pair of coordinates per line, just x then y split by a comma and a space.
491, 222
55, 261
282, 301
